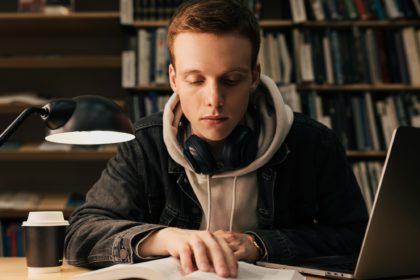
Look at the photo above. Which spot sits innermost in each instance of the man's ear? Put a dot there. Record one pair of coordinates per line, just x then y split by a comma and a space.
256, 75
172, 77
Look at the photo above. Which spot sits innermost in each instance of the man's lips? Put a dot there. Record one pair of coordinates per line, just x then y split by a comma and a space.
214, 119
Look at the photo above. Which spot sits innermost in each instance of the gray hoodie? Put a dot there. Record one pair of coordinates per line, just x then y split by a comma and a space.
232, 194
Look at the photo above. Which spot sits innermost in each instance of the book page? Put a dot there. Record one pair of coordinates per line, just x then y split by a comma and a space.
249, 272
169, 269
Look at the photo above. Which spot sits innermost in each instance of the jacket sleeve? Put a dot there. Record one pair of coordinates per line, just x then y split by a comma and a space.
338, 225
104, 231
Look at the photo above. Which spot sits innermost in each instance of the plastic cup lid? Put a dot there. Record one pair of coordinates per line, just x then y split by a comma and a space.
45, 218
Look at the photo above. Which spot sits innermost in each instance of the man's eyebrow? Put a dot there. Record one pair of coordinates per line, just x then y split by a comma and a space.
234, 69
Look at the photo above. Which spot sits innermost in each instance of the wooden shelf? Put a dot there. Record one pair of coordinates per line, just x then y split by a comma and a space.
31, 152
71, 16
15, 23
363, 87
149, 23
152, 87
267, 23
380, 155
62, 62
47, 202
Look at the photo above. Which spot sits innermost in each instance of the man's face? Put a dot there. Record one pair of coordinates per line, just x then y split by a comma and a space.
214, 80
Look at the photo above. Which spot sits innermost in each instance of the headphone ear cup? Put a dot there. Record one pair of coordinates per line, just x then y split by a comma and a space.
199, 155
241, 147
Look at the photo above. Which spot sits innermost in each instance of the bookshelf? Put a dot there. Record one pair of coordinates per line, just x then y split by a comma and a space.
358, 108
55, 56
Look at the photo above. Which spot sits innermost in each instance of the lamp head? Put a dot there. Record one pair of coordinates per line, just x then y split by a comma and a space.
86, 120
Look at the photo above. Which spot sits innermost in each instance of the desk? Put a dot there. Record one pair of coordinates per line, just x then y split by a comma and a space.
15, 269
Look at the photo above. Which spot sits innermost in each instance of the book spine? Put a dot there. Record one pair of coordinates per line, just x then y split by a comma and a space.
326, 44
298, 11
126, 11
337, 63
361, 9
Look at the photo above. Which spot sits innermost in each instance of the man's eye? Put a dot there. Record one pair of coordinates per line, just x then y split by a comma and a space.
230, 82
198, 82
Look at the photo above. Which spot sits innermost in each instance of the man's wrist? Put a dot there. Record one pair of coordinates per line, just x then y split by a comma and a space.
259, 247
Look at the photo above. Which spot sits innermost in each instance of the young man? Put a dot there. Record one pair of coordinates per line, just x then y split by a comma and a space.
227, 173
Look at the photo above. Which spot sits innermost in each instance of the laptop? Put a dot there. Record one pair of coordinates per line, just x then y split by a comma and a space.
391, 245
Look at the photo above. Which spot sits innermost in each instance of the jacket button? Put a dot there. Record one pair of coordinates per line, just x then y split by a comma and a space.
123, 254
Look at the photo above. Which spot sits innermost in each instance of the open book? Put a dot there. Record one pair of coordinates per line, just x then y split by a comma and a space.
169, 269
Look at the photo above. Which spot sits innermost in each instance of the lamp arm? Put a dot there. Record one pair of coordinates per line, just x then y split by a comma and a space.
19, 120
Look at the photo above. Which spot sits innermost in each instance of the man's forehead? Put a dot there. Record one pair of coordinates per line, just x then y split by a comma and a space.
206, 52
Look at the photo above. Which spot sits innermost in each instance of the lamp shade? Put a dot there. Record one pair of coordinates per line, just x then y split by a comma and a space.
87, 120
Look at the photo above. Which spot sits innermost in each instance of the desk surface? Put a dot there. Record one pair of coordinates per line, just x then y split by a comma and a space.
15, 268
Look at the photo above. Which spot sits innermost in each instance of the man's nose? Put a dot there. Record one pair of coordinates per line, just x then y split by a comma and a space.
214, 96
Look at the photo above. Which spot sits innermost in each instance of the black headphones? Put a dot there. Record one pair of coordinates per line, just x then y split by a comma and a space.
239, 150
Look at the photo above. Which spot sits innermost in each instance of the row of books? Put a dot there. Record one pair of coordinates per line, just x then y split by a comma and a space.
297, 10
368, 174
142, 104
150, 10
319, 10
131, 10
147, 58
331, 56
362, 121
62, 7
343, 56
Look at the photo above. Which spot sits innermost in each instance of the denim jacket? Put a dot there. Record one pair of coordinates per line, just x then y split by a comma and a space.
309, 203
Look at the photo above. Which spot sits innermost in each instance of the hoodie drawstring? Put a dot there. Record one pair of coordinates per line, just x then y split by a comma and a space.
208, 203
232, 210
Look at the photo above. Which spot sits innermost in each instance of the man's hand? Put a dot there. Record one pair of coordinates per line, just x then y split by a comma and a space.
195, 249
241, 244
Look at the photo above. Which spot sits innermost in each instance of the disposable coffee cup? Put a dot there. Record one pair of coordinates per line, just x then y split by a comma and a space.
43, 240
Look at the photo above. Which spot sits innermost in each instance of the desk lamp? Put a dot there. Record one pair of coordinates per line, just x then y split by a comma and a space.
83, 120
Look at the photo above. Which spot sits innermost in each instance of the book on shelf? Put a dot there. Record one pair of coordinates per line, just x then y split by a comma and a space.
126, 11
58, 7
298, 11
30, 6
368, 174
146, 58
169, 269
11, 242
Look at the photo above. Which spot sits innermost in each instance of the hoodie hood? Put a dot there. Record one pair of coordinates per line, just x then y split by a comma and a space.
276, 119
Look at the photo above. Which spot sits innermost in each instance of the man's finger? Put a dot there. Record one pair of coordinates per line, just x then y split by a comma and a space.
200, 255
185, 258
216, 253
229, 256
